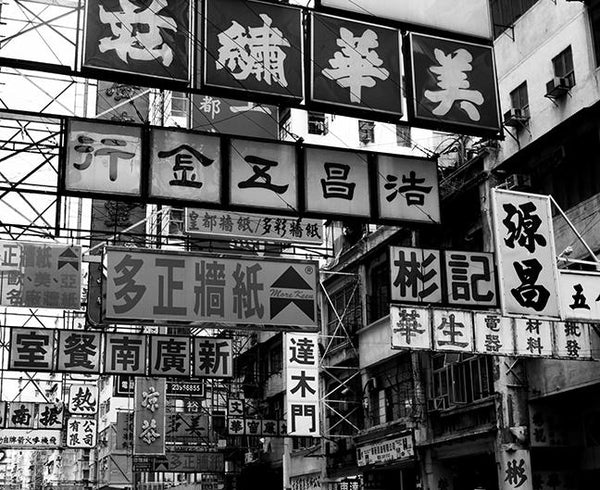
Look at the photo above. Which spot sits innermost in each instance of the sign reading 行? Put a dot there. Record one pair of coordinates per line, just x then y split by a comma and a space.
233, 224
147, 286
149, 421
526, 254
471, 17
40, 275
150, 40
302, 384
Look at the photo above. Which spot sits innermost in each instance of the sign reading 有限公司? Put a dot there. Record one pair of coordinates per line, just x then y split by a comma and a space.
147, 286
396, 449
471, 17
526, 254
302, 383
82, 432
40, 275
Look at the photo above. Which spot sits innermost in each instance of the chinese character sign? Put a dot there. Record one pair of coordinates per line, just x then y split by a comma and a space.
149, 40
213, 357
453, 330
146, 286
533, 337
50, 415
263, 174
125, 354
579, 295
149, 416
302, 384
355, 64
526, 253
81, 432
31, 349
470, 278
493, 333
416, 275
40, 275
337, 182
170, 355
83, 399
454, 82
411, 327
253, 46
229, 116
239, 224
572, 340
515, 470
408, 188
185, 165
122, 102
471, 17
78, 351
103, 158
20, 415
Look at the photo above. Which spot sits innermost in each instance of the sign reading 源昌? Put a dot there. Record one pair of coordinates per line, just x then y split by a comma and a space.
146, 286
233, 224
469, 279
150, 40
526, 254
103, 158
149, 422
453, 83
355, 64
396, 449
471, 17
253, 47
302, 383
40, 275
487, 333
82, 432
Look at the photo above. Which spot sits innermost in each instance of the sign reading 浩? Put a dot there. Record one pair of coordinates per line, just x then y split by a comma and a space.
105, 159
471, 17
147, 286
150, 40
302, 384
40, 275
231, 224
121, 354
526, 254
488, 333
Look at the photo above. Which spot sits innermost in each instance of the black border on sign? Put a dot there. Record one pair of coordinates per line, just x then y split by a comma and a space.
261, 95
76, 369
356, 111
150, 357
133, 76
12, 344
434, 123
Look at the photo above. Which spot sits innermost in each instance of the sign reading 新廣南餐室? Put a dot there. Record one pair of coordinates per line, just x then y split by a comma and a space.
145, 286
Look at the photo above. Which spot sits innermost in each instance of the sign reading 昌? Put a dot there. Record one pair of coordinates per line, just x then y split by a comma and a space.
526, 254
253, 47
472, 17
148, 286
150, 40
40, 275
355, 64
302, 384
453, 83
232, 224
149, 421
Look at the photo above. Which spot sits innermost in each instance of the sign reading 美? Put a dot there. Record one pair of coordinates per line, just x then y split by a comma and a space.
147, 286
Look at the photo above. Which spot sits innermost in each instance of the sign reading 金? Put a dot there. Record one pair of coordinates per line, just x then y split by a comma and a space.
147, 286
526, 254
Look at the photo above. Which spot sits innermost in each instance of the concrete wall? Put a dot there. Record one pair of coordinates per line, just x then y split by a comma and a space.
375, 343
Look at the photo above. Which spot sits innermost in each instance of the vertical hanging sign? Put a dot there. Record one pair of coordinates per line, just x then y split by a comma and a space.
302, 384
149, 423
526, 254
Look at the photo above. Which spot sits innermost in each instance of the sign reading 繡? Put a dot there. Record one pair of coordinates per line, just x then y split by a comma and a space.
143, 286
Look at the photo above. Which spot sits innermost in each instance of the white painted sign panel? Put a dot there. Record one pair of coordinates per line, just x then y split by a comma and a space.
411, 327
580, 295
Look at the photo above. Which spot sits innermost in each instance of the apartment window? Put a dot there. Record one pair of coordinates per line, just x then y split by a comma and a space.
276, 359
378, 300
366, 132
506, 12
563, 66
594, 9
520, 100
317, 123
179, 104
403, 135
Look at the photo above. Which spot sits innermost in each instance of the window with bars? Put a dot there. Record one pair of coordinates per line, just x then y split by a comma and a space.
378, 299
179, 104
366, 132
563, 66
519, 99
317, 123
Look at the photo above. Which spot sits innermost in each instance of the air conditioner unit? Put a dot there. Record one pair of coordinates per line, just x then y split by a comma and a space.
517, 181
436, 404
558, 87
515, 118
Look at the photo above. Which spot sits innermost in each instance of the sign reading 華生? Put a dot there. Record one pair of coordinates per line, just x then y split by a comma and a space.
146, 286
